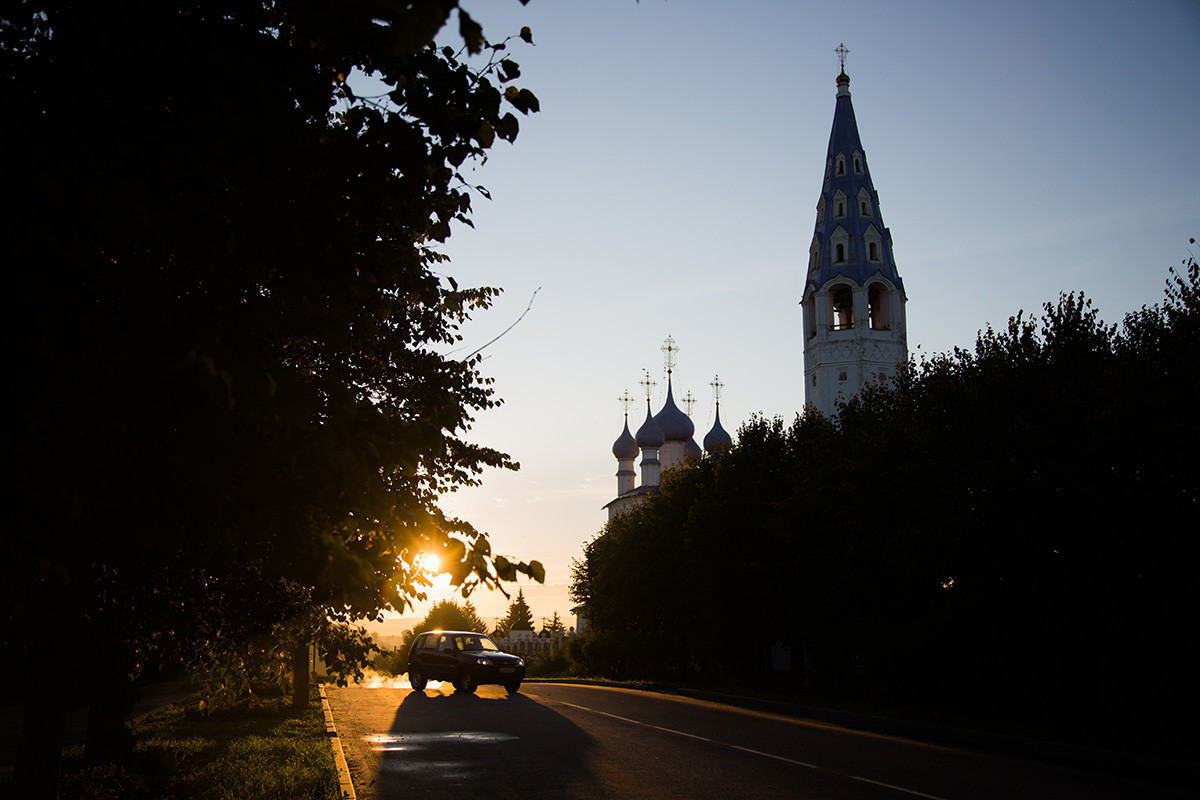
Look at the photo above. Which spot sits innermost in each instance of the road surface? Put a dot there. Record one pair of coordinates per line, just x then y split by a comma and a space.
567, 741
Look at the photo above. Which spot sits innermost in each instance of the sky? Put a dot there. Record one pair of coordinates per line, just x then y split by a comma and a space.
668, 187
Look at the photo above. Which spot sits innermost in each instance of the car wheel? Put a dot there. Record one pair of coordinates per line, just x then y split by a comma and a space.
467, 683
513, 687
416, 678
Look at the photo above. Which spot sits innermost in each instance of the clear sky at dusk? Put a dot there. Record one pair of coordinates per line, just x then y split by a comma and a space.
668, 187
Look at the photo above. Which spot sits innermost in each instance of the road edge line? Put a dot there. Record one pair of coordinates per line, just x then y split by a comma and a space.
345, 785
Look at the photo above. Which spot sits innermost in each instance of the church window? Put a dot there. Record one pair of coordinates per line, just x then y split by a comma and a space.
839, 241
843, 308
814, 380
841, 376
878, 302
873, 245
841, 166
821, 211
839, 204
858, 170
864, 201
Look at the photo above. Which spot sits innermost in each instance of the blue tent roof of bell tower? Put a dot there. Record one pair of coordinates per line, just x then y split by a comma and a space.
844, 146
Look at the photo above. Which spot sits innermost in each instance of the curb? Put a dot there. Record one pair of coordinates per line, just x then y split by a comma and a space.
345, 785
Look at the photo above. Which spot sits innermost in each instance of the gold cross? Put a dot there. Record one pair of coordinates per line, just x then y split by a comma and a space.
647, 382
717, 386
670, 350
841, 51
625, 401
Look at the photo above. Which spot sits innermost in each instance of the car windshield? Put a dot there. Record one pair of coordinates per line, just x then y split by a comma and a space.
474, 643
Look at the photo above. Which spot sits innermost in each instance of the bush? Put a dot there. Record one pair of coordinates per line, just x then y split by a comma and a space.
391, 662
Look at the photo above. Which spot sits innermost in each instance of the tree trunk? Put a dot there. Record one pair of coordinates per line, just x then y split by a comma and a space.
300, 677
39, 752
111, 700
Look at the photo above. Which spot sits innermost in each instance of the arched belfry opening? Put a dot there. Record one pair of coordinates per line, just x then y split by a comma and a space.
878, 302
842, 301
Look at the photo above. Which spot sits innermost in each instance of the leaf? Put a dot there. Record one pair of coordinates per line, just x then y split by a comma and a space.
530, 101
505, 569
524, 100
507, 127
486, 135
471, 31
509, 70
527, 34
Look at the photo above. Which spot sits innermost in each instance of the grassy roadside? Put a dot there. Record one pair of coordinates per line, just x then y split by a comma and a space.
265, 752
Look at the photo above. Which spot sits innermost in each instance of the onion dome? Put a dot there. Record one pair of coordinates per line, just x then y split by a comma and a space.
649, 435
692, 450
625, 448
675, 425
717, 439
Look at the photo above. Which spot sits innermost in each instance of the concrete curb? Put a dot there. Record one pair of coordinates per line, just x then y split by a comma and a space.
345, 785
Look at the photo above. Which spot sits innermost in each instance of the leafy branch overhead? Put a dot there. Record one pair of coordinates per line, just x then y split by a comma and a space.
240, 389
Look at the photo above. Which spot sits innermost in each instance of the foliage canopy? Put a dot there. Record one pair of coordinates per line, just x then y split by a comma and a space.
1007, 529
238, 405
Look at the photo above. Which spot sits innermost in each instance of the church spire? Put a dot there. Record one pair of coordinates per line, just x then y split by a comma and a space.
850, 238
854, 328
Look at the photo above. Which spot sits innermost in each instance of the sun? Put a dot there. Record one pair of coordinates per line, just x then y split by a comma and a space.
429, 562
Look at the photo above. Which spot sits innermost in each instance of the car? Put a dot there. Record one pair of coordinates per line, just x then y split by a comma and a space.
465, 658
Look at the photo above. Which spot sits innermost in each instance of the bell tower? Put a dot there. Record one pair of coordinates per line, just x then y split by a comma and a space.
853, 302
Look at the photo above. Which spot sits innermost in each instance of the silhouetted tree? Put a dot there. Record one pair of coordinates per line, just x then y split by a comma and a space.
518, 618
236, 411
1003, 529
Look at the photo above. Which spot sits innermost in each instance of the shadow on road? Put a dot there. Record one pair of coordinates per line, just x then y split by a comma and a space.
504, 745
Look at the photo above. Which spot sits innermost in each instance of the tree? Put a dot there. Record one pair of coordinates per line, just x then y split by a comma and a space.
446, 615
518, 618
555, 626
974, 537
236, 401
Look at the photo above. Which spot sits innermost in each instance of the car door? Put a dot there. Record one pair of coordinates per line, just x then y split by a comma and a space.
443, 658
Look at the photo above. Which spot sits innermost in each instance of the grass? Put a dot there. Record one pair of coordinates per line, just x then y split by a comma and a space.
250, 753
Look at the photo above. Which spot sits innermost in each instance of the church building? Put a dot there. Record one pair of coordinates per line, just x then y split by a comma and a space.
852, 308
853, 301
664, 440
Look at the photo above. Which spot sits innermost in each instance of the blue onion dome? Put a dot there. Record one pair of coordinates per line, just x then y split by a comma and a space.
676, 426
625, 448
717, 439
692, 450
649, 435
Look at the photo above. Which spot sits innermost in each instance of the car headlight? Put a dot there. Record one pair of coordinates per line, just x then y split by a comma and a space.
484, 662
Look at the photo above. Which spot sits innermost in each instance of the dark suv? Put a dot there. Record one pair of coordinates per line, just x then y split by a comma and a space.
465, 659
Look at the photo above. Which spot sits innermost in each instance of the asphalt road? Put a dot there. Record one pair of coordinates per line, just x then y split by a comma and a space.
567, 741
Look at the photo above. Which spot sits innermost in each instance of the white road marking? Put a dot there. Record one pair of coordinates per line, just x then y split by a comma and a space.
784, 759
893, 786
